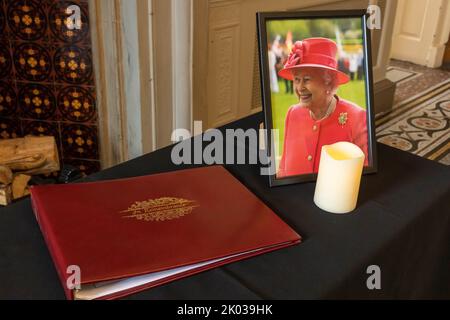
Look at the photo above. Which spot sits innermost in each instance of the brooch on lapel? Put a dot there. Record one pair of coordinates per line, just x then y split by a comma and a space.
342, 118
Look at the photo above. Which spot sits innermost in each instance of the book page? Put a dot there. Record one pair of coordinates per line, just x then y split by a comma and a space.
101, 289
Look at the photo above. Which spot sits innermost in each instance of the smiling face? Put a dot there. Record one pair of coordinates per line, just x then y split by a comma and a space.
314, 87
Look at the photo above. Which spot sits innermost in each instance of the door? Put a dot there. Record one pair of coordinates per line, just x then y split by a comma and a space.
421, 31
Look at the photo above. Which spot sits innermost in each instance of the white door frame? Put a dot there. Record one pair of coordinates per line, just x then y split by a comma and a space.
173, 34
141, 99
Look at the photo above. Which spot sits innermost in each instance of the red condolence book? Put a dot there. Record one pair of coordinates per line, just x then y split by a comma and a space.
131, 234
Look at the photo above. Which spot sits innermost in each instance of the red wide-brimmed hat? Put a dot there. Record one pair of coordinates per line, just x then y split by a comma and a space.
313, 52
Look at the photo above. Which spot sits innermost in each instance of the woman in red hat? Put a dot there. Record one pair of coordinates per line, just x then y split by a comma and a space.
321, 117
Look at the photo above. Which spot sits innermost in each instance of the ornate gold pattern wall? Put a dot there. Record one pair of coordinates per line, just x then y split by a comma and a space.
46, 78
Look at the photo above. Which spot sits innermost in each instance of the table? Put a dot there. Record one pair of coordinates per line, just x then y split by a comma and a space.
401, 224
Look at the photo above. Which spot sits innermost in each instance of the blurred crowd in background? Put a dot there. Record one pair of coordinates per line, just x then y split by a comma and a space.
346, 34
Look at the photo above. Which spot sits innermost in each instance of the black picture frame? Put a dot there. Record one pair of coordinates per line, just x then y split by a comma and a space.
262, 19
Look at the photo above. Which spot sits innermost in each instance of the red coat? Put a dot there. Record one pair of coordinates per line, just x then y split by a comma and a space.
304, 137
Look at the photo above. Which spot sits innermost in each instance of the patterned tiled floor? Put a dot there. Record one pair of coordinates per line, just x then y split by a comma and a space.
429, 77
420, 119
399, 75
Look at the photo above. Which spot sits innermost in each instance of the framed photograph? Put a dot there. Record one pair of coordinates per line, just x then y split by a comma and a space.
316, 82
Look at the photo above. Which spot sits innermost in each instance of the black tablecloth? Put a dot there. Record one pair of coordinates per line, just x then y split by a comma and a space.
401, 224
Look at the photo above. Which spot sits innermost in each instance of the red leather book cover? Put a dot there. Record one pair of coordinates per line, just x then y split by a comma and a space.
125, 228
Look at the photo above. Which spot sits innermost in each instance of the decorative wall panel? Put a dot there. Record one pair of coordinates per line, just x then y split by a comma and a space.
47, 78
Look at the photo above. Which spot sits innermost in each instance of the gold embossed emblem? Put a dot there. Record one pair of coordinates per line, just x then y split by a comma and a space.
160, 209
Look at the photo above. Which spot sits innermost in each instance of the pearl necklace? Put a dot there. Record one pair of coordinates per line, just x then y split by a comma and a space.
330, 109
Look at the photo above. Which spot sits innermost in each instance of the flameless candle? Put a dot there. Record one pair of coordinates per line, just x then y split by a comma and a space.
339, 176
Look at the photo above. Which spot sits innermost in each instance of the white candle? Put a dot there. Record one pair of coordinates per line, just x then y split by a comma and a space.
339, 176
